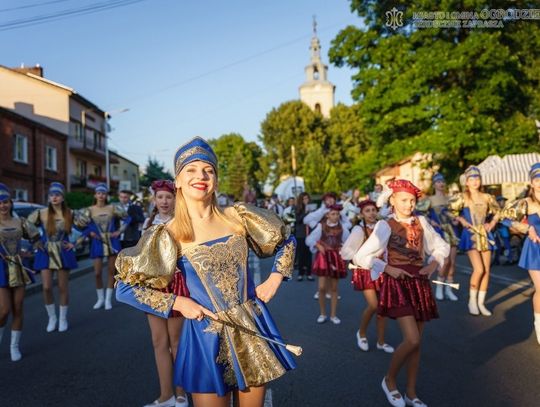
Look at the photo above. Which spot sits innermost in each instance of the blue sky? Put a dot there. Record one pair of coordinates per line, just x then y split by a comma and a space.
182, 67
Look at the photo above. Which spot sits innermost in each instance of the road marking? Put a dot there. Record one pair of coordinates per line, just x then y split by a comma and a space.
268, 398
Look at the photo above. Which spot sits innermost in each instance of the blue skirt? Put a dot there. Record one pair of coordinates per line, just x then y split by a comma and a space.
67, 257
466, 242
197, 369
97, 251
530, 255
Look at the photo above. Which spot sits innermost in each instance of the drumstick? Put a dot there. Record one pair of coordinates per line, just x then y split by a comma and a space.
296, 350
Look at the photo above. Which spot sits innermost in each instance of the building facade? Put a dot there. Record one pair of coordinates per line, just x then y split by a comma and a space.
317, 92
32, 156
59, 108
124, 173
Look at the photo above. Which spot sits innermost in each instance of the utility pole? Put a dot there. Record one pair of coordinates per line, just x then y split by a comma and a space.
293, 163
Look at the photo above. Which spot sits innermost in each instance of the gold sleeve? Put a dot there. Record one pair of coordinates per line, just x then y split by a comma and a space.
423, 205
82, 217
493, 207
456, 204
30, 231
152, 262
515, 211
119, 211
34, 218
265, 231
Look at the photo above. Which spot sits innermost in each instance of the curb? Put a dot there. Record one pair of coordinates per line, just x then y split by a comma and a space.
501, 280
79, 272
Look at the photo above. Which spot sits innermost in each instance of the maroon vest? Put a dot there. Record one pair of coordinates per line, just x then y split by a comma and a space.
331, 236
406, 243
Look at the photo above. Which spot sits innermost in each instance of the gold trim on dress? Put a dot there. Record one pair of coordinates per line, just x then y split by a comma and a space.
285, 262
157, 300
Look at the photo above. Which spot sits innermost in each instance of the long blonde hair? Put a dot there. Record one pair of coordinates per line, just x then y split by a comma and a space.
181, 226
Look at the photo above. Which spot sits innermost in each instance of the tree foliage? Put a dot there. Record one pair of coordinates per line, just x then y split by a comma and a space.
154, 171
460, 93
238, 163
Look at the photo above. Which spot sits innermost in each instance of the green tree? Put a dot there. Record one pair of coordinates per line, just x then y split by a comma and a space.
314, 169
154, 171
238, 163
291, 123
460, 93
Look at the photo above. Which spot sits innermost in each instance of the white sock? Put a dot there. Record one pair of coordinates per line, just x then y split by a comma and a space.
14, 348
100, 292
63, 311
51, 311
536, 325
473, 295
481, 297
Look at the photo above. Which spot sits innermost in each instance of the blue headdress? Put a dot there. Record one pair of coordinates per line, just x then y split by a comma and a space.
56, 188
196, 149
101, 187
472, 171
437, 177
4, 192
535, 171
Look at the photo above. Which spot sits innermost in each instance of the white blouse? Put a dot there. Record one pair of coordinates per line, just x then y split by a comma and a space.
353, 242
367, 257
313, 218
316, 234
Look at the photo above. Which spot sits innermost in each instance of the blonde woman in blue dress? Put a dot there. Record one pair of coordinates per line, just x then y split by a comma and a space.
210, 246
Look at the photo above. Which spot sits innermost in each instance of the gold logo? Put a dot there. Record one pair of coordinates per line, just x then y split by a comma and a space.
394, 18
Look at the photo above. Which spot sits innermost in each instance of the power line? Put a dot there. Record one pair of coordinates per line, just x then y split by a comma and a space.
89, 9
32, 5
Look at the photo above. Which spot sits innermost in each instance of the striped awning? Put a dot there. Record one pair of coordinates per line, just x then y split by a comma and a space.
511, 168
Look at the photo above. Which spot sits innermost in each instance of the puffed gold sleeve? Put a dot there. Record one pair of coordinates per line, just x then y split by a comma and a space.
514, 212
152, 262
456, 204
265, 231
82, 217
34, 218
119, 211
493, 207
30, 231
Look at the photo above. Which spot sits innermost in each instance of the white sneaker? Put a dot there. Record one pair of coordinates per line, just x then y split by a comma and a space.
15, 353
450, 294
385, 347
167, 403
328, 296
414, 402
473, 308
316, 296
99, 303
335, 320
362, 342
483, 310
51, 326
181, 401
322, 319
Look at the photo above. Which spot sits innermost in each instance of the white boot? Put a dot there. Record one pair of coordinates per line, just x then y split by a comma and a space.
536, 326
63, 324
439, 292
108, 298
100, 298
51, 311
481, 298
450, 294
15, 352
473, 302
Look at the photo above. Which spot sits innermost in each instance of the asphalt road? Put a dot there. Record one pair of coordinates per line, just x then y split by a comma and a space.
106, 358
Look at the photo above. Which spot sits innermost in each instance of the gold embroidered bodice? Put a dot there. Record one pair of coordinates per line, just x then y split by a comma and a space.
11, 234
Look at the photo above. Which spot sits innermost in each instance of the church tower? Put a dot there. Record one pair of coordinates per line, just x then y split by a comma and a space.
317, 92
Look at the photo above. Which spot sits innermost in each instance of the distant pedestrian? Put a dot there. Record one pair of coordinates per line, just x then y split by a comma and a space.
132, 232
303, 254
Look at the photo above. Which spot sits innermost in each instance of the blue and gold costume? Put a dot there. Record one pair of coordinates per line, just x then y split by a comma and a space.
513, 215
53, 253
12, 272
477, 214
103, 221
212, 357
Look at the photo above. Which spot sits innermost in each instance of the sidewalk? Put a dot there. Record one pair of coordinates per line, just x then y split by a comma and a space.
503, 275
85, 266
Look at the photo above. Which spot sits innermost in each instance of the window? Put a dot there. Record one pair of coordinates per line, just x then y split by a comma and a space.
20, 149
50, 158
21, 195
317, 107
97, 141
77, 131
115, 170
97, 170
81, 168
